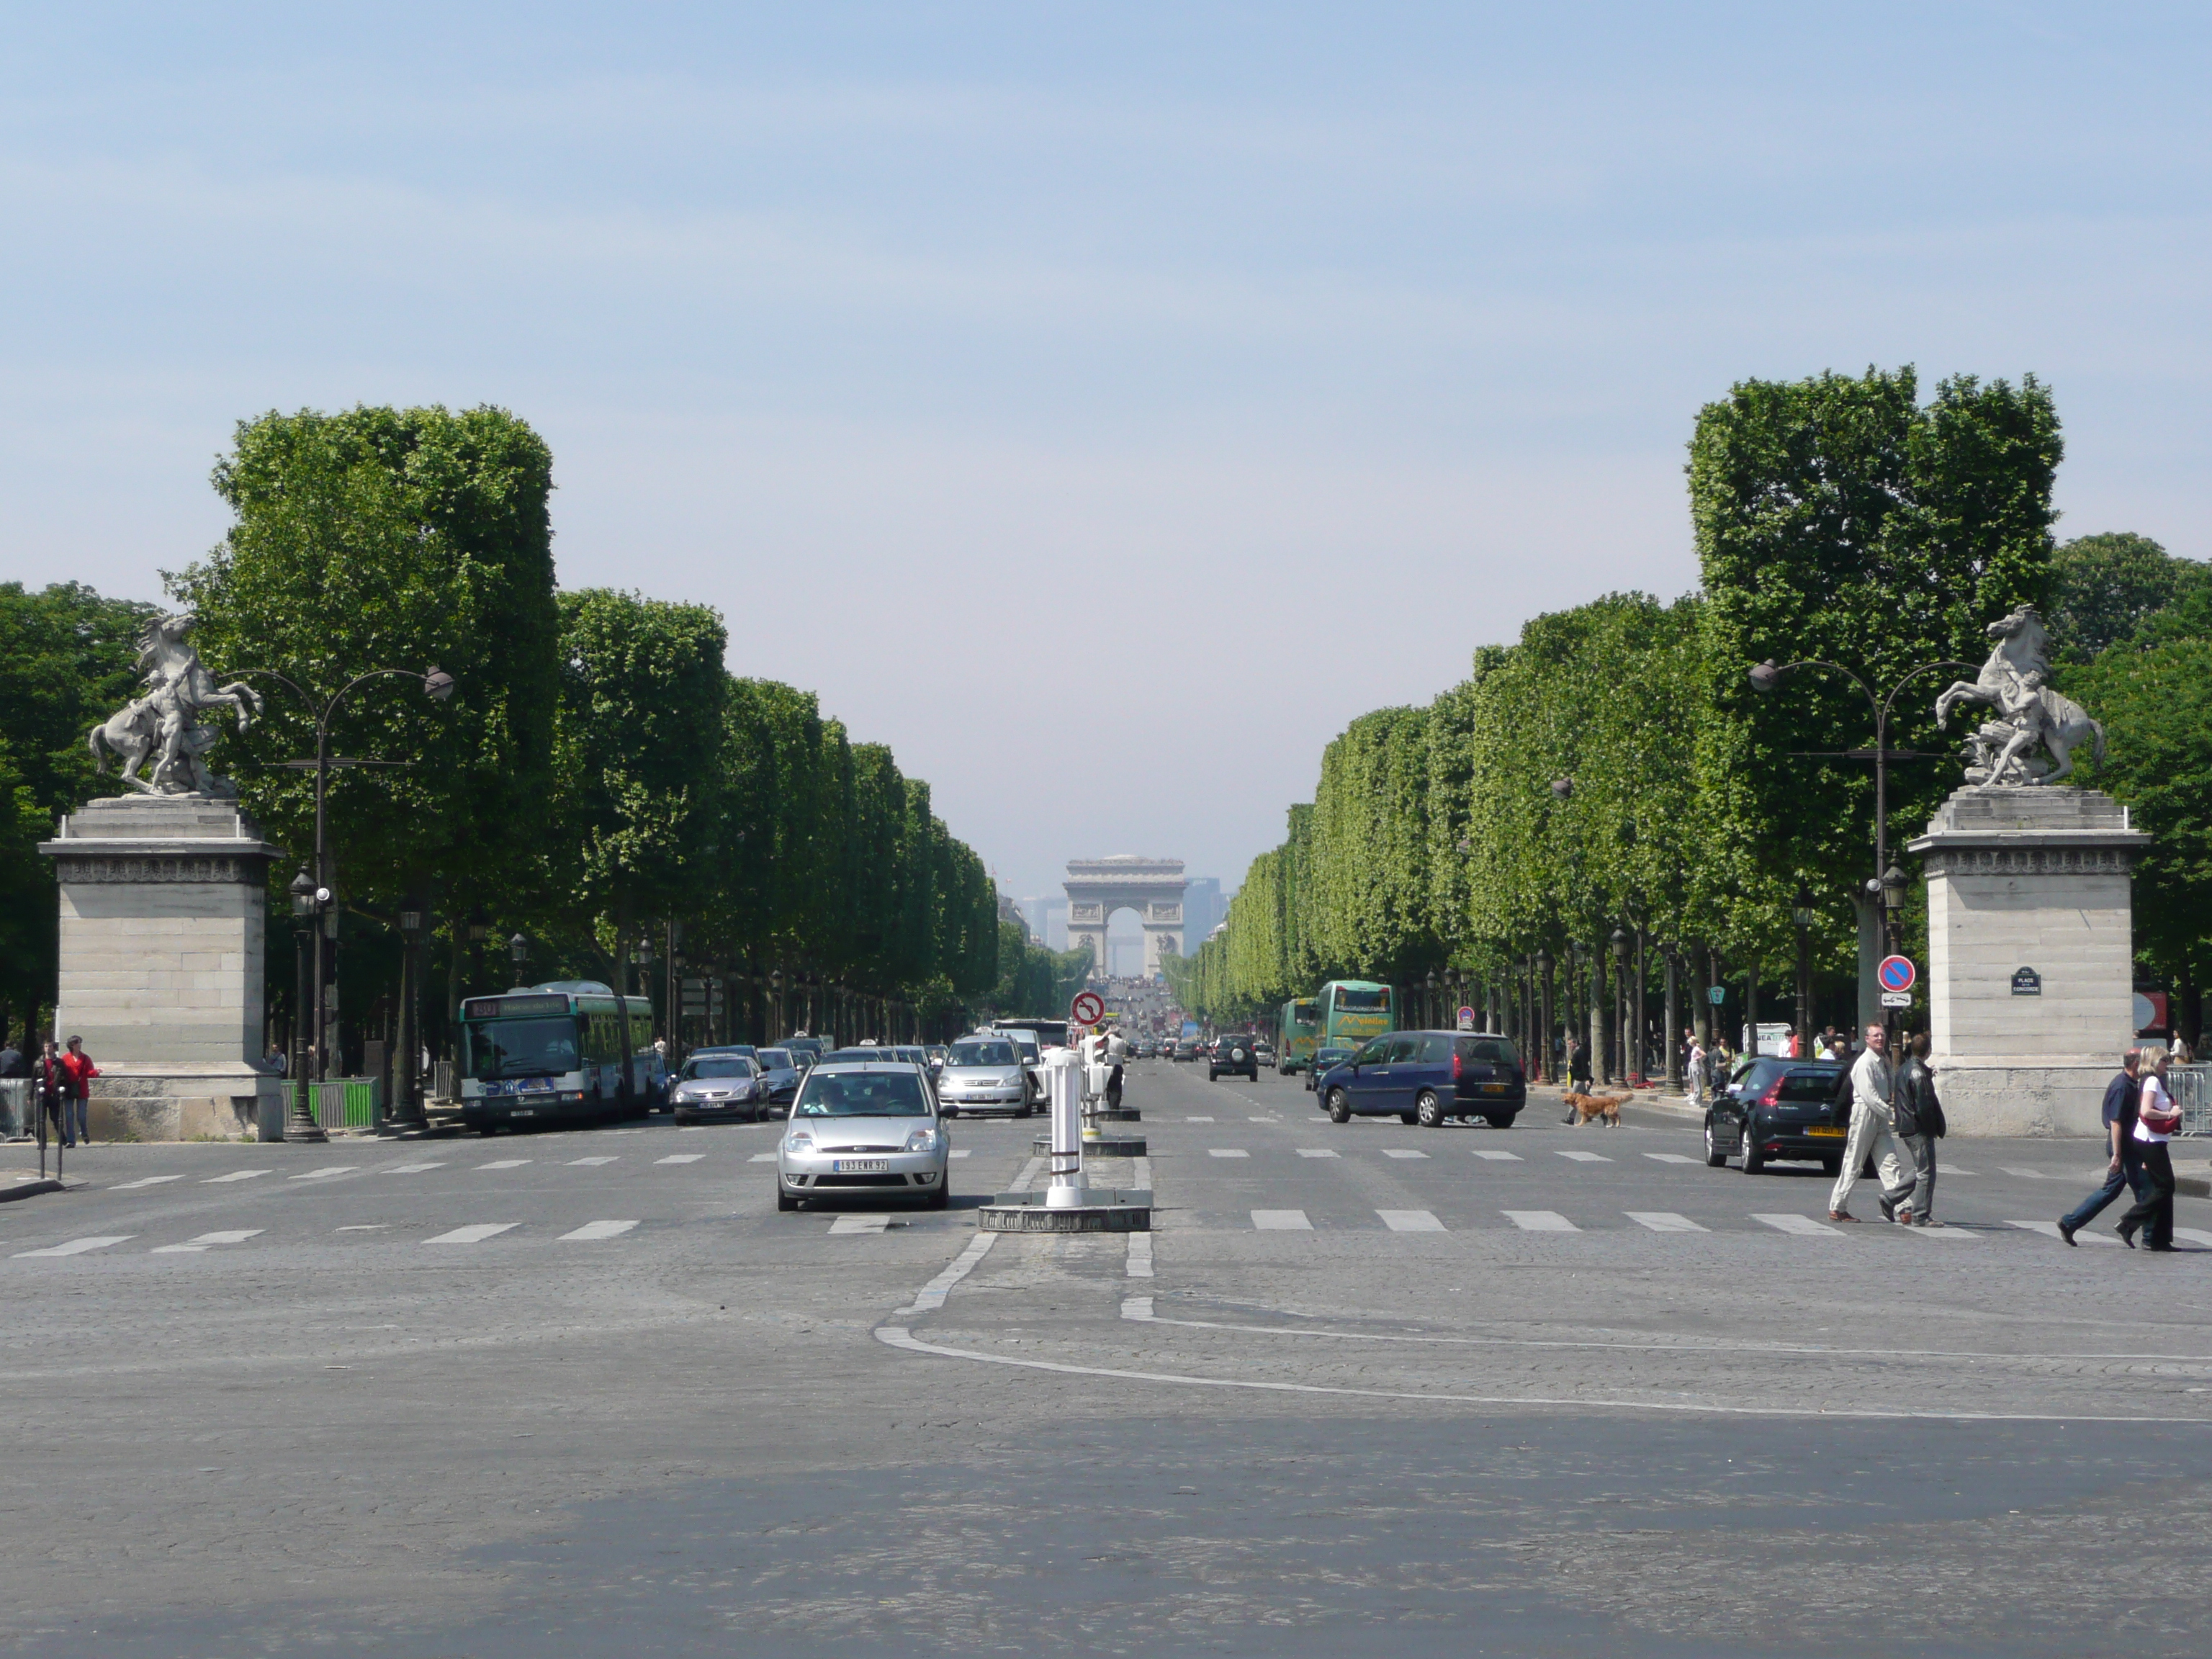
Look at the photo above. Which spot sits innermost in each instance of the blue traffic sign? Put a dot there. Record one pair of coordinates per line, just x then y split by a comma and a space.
1896, 974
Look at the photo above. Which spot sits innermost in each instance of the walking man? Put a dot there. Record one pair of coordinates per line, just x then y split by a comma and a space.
78, 1064
2156, 1119
50, 1081
1918, 1118
1871, 1132
1578, 1067
2125, 1169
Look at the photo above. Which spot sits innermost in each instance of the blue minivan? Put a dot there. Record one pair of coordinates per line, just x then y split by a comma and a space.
1427, 1077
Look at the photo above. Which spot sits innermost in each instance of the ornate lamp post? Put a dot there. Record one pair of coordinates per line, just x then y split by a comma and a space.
1544, 1015
307, 911
1803, 914
407, 1109
1621, 944
518, 948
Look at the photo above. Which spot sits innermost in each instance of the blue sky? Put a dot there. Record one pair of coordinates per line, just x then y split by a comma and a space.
1198, 377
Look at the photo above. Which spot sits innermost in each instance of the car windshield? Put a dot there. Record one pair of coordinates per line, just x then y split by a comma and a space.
861, 1094
521, 1048
1488, 1051
716, 1066
1811, 1084
983, 1054
776, 1060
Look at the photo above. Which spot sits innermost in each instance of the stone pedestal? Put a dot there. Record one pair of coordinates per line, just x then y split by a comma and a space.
163, 937
2030, 953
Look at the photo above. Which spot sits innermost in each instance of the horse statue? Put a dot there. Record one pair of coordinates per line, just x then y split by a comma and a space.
2014, 682
164, 724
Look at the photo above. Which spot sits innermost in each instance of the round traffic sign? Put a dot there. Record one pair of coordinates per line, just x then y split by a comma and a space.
1088, 1008
1896, 973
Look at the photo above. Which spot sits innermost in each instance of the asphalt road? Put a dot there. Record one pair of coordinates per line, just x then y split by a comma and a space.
1464, 1391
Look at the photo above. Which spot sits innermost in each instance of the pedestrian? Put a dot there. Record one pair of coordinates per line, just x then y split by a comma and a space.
1872, 1132
1918, 1118
78, 1064
2182, 1053
2157, 1118
1694, 1074
50, 1081
276, 1065
11, 1060
2125, 1169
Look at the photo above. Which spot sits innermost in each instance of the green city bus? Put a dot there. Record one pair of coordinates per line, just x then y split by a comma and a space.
1297, 1034
1352, 1011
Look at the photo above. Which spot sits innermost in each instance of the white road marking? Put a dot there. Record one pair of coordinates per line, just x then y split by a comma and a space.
1541, 1221
78, 1246
1948, 1171
409, 1169
958, 1151
1683, 1158
592, 1229
681, 1158
237, 1236
1316, 1151
364, 1227
504, 1163
1803, 1226
236, 1174
769, 1157
603, 1157
2049, 1229
1267, 1120
477, 1233
2194, 1234
1198, 1119
1496, 1157
1030, 1170
1401, 1151
1584, 1158
860, 1223
1410, 1221
2024, 1175
1136, 1307
1141, 1254
1664, 1221
1226, 1152
318, 1175
1281, 1221
1941, 1232
933, 1294
155, 1181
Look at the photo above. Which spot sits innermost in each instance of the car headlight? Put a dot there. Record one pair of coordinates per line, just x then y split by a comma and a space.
798, 1141
921, 1140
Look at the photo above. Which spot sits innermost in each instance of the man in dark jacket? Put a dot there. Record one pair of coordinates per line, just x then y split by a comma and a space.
2125, 1169
1919, 1119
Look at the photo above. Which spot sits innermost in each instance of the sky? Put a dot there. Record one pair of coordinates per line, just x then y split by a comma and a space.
1101, 405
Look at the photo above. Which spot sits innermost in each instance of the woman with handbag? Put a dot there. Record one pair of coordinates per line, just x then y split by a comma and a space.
2157, 1121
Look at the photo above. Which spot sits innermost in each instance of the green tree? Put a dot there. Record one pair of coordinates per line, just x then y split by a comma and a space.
2105, 587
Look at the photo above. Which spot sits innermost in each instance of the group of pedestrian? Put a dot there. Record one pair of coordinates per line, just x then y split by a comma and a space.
1895, 1116
2140, 1119
60, 1079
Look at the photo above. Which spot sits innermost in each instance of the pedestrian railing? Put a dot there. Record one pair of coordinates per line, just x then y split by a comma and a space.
346, 1102
2192, 1088
441, 1080
14, 1107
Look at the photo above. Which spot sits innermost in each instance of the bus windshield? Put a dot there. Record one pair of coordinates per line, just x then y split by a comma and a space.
1351, 1000
520, 1047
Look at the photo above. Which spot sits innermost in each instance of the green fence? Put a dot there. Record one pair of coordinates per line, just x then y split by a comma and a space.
347, 1103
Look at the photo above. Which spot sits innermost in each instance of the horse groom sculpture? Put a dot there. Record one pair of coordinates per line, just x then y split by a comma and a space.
2014, 681
164, 724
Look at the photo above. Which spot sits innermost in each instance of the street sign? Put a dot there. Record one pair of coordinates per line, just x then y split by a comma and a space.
1467, 1019
1897, 998
1088, 1008
2026, 982
1716, 995
1896, 974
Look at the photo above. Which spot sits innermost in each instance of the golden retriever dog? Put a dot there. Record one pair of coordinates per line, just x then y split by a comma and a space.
1591, 1109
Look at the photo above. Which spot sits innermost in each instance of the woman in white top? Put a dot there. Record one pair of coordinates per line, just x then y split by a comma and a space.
2156, 1119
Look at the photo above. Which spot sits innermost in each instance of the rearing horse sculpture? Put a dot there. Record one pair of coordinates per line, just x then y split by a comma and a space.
2012, 682
164, 724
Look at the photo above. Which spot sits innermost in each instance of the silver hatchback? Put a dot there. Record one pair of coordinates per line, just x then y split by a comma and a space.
864, 1127
983, 1074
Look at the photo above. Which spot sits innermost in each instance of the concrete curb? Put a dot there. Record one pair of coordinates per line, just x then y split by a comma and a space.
1027, 1212
30, 1189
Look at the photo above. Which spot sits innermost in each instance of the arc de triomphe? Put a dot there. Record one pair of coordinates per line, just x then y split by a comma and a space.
1153, 888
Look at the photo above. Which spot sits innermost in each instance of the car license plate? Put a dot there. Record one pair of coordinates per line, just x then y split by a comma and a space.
860, 1165
1826, 1134
523, 1111
1493, 1088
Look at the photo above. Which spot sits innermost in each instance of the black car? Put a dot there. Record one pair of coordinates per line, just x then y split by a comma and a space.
1426, 1077
1324, 1059
1779, 1109
1234, 1056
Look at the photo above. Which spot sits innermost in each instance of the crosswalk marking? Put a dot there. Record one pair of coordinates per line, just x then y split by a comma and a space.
958, 1151
1664, 1221
1267, 1120
2049, 1229
1198, 1119
1942, 1232
1410, 1221
1803, 1226
2194, 1234
860, 1223
1684, 1158
593, 1162
504, 1163
1316, 1151
1281, 1221
2024, 1175
1402, 1152
769, 1157
1226, 1152
334, 1170
1496, 1157
475, 1234
1541, 1221
155, 1181
236, 1174
79, 1246
681, 1158
592, 1229
1584, 1158
237, 1236
411, 1169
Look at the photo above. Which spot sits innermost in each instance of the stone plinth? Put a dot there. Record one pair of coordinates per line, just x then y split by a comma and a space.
2030, 953
163, 939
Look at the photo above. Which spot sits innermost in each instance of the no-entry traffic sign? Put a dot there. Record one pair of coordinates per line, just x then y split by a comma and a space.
1088, 1008
1896, 974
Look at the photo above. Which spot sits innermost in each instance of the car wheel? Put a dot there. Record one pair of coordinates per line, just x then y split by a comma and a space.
1428, 1110
1501, 1120
940, 1199
1339, 1107
1715, 1157
784, 1200
1753, 1159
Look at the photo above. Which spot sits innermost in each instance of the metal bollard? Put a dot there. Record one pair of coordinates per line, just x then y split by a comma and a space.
1065, 1085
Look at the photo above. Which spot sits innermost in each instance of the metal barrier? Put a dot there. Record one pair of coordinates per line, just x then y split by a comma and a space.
14, 1109
347, 1103
2192, 1088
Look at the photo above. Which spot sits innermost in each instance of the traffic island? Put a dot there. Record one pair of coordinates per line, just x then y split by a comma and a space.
1100, 1210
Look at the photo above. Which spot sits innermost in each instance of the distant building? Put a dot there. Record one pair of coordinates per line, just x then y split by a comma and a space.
1047, 918
1204, 907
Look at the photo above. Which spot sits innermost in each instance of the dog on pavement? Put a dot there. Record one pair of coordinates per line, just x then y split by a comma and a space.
1591, 1108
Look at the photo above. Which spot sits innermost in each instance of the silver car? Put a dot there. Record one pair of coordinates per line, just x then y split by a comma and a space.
983, 1074
717, 1087
861, 1127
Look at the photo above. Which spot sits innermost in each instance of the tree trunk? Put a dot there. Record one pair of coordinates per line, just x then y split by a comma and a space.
1673, 1020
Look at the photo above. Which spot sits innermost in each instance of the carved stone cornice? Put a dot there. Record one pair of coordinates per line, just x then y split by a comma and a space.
78, 867
2048, 859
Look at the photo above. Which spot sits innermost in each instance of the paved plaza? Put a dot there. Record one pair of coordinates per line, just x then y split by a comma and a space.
1467, 1391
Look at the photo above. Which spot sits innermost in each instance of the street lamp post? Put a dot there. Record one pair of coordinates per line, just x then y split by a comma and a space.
1544, 1012
406, 1109
518, 950
1803, 914
307, 912
1621, 948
